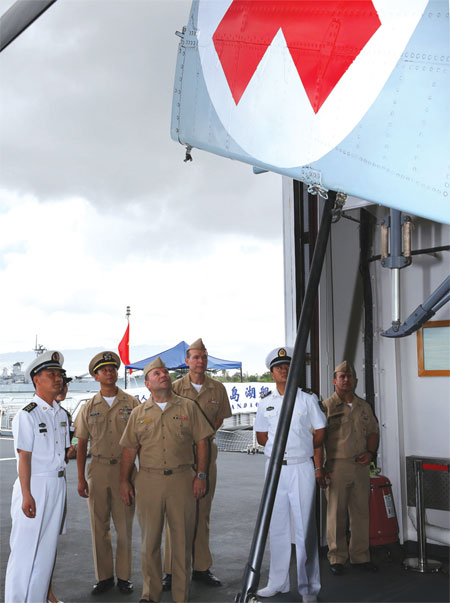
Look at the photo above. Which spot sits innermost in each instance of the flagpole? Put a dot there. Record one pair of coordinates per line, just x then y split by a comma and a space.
126, 372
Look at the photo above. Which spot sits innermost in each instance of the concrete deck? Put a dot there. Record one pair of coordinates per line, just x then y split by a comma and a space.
233, 518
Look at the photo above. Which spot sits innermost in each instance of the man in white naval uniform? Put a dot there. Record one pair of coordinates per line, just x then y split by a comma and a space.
302, 466
41, 436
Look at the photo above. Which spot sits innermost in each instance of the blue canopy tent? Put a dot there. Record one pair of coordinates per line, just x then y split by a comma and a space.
174, 357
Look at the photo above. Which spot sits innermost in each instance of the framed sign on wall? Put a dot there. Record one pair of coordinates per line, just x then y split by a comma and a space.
433, 349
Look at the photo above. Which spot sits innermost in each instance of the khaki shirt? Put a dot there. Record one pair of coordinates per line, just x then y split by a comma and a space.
105, 424
348, 428
212, 398
165, 438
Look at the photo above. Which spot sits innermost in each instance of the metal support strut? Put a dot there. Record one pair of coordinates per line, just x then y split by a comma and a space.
250, 579
421, 563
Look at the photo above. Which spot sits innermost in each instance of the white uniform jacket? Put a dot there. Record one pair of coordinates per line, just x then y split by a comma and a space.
43, 430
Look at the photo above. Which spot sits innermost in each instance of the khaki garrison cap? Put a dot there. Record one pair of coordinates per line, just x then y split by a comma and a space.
279, 356
49, 359
103, 359
345, 367
156, 363
197, 345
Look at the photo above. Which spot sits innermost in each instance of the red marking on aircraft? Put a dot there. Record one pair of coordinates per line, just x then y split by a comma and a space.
324, 38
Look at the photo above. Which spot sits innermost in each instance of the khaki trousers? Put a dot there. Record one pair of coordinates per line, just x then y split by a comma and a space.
348, 500
201, 553
159, 496
104, 502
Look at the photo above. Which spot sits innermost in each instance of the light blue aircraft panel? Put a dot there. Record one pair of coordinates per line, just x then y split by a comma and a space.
371, 119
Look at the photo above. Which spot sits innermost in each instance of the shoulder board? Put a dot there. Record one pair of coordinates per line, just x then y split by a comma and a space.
321, 406
307, 391
29, 407
266, 394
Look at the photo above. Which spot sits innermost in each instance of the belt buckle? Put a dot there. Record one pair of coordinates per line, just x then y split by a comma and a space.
112, 461
168, 471
61, 473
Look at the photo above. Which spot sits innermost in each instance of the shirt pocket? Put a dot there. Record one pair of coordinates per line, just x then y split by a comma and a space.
212, 410
96, 425
364, 420
337, 422
183, 429
145, 428
64, 431
270, 413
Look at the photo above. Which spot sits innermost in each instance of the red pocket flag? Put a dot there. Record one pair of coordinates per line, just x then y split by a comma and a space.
124, 346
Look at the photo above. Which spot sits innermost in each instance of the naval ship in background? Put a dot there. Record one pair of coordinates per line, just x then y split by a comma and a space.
14, 380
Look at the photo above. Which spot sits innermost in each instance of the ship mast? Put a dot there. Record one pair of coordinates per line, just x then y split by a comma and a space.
38, 348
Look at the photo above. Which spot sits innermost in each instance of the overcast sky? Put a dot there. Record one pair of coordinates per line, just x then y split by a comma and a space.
98, 210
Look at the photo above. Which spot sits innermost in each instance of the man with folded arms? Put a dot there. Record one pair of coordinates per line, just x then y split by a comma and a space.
351, 444
211, 396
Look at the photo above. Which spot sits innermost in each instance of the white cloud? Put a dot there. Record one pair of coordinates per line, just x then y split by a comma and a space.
98, 210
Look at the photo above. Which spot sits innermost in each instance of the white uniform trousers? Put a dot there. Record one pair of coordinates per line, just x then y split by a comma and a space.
295, 499
33, 540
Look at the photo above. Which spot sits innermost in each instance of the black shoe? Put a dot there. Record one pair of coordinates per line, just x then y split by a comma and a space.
167, 582
206, 577
102, 586
368, 566
337, 569
125, 586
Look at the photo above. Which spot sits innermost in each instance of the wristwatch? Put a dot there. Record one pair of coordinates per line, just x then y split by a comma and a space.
201, 475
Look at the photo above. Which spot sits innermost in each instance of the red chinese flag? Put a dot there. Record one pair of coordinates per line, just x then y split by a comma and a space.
124, 347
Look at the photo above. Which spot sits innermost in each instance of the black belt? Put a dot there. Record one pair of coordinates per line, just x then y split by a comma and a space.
179, 469
106, 461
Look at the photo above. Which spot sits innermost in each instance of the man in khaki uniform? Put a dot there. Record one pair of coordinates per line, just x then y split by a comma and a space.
103, 420
211, 396
163, 430
351, 444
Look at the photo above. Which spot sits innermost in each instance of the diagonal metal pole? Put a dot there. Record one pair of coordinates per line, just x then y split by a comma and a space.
20, 16
250, 579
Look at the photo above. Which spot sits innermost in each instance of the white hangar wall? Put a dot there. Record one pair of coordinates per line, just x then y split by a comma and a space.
413, 411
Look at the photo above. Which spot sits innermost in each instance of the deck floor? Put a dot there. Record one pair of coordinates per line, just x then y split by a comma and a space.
234, 511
